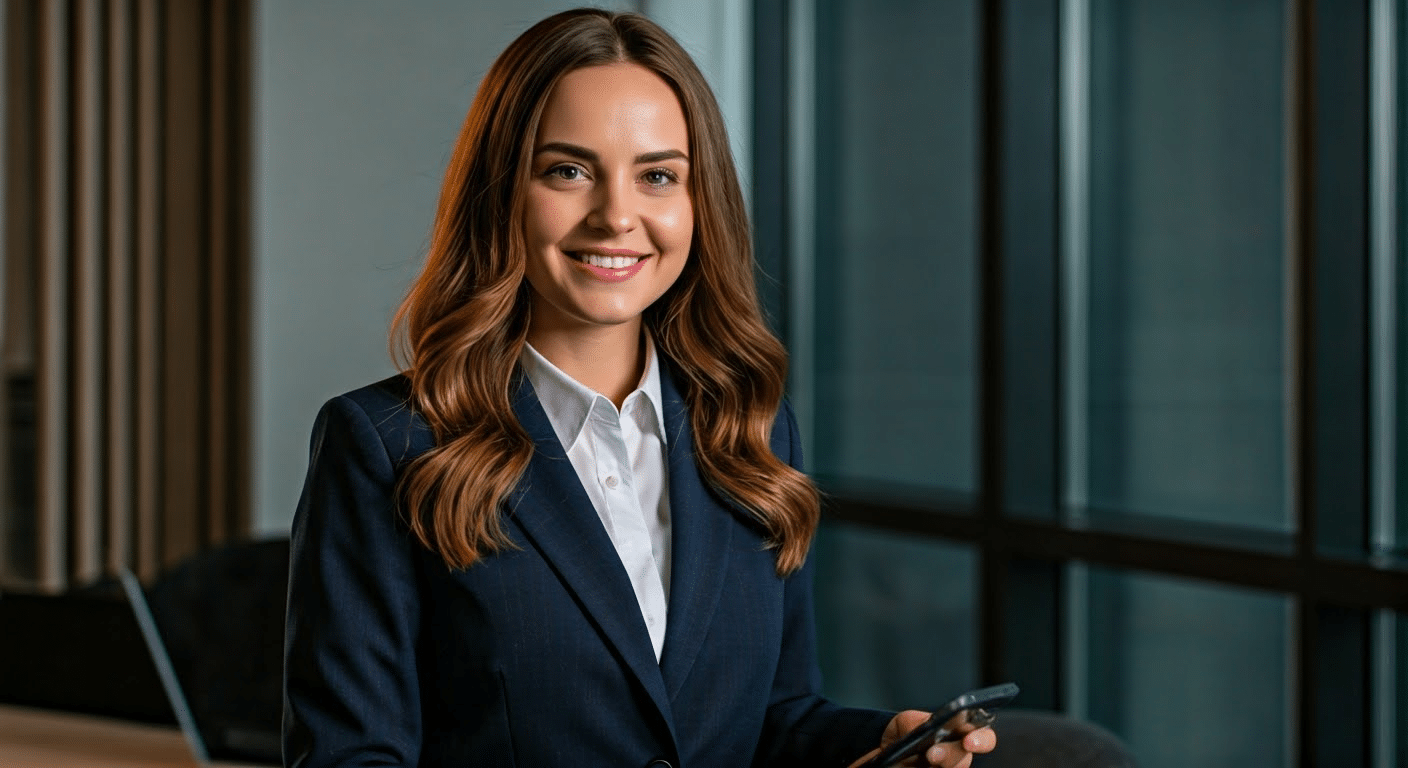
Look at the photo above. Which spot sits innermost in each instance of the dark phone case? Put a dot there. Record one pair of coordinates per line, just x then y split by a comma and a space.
923, 736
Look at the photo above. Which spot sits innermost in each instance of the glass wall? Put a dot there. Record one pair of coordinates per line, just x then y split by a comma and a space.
1165, 654
897, 623
894, 408
1177, 299
1399, 742
895, 176
1392, 95
1100, 308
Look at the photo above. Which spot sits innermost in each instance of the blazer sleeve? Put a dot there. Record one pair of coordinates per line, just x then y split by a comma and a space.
802, 727
351, 694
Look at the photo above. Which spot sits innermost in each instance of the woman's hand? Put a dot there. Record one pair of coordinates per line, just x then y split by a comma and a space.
949, 754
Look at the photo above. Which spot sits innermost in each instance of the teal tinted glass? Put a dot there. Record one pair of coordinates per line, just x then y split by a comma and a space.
896, 618
895, 242
1399, 714
1394, 529
1177, 320
1189, 673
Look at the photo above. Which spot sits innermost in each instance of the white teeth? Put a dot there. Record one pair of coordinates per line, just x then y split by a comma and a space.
610, 262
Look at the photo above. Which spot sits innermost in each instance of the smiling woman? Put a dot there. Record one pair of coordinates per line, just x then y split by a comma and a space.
608, 220
575, 529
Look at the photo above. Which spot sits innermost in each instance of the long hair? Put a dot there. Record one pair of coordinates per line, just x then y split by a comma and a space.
465, 319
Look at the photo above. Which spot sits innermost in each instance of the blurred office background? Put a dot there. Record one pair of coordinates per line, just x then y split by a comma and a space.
1097, 311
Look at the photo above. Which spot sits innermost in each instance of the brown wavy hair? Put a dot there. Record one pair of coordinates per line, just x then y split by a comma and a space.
465, 319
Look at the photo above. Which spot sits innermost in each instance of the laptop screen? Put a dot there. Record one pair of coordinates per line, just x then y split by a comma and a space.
205, 733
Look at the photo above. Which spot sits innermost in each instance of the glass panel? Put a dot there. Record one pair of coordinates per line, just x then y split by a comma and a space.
1398, 722
1398, 522
1179, 408
896, 211
1030, 240
1166, 659
896, 618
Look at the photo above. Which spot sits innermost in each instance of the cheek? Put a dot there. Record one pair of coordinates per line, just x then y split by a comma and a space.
676, 225
545, 220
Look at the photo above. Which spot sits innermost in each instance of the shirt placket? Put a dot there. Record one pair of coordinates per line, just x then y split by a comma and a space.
627, 521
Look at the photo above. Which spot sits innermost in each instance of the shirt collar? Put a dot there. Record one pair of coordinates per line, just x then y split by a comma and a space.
569, 404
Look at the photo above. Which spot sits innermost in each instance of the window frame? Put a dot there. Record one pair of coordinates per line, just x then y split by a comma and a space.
1343, 596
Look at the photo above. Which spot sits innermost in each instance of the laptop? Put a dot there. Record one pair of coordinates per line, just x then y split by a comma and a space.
231, 745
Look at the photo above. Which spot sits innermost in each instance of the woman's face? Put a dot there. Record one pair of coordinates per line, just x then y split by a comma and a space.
608, 217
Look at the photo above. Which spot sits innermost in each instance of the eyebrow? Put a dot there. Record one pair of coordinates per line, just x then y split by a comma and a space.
587, 155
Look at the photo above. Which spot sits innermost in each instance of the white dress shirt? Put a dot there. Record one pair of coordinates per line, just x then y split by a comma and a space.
620, 458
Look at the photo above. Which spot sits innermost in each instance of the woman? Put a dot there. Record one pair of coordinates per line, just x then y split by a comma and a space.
574, 531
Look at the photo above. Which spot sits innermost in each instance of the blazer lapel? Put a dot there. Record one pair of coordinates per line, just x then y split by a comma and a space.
701, 531
555, 513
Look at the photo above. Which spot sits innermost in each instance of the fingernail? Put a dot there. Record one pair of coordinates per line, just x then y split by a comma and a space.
936, 753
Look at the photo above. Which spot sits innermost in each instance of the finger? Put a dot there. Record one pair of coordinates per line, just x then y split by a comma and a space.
907, 721
902, 724
955, 754
948, 755
980, 740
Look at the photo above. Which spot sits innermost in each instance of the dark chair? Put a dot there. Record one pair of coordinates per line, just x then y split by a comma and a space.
221, 617
1033, 739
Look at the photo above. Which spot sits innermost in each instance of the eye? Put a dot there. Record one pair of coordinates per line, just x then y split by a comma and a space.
566, 172
660, 177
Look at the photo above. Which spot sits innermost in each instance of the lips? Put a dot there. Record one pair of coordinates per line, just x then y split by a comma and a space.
605, 261
608, 264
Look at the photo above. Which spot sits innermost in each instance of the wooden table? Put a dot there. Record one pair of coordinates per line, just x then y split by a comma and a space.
37, 738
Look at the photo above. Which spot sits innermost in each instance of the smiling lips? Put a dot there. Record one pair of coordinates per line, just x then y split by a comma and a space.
610, 265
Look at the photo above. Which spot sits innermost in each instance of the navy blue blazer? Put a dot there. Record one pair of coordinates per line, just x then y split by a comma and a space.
538, 656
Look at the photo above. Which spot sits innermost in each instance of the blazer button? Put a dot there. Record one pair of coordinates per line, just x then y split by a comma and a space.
659, 763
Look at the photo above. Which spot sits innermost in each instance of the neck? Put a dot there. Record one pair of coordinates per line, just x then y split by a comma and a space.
609, 360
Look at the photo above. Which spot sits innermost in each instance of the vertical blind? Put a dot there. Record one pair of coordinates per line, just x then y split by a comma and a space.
125, 269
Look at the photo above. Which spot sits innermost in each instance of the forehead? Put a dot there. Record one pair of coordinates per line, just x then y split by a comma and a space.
614, 103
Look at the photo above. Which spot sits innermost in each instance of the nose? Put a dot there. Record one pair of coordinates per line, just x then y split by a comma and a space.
613, 208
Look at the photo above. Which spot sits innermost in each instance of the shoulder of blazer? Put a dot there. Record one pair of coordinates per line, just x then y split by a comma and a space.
387, 404
785, 438
406, 434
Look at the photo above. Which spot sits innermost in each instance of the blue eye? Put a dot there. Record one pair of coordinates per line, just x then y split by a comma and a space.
659, 177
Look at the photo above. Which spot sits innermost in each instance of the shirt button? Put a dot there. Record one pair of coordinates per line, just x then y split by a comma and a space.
611, 481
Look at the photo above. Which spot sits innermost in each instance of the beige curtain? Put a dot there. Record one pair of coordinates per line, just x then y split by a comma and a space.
125, 268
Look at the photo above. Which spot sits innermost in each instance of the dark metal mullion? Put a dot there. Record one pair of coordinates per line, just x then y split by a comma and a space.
771, 172
1019, 336
1301, 250
1033, 351
1344, 583
994, 558
1333, 151
1340, 671
1021, 339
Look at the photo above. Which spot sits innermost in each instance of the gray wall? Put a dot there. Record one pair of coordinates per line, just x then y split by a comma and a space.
357, 104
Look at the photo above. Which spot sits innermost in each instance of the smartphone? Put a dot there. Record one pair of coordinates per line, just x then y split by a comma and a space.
947, 723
